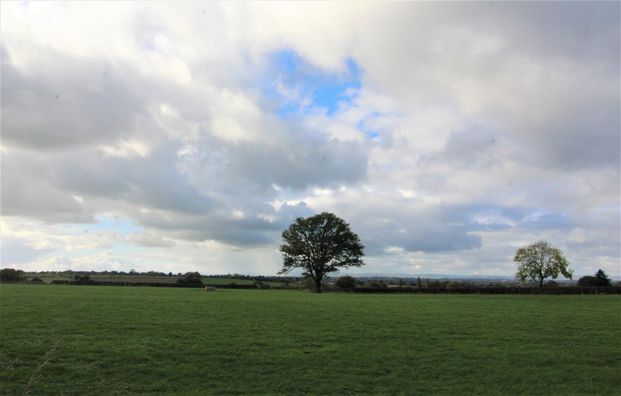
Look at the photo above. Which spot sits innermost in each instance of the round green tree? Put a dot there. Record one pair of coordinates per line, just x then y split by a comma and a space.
540, 261
319, 245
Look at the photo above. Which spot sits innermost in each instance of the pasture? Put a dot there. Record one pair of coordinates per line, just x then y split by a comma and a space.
105, 340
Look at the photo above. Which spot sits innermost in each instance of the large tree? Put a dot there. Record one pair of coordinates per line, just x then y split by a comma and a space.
319, 245
540, 261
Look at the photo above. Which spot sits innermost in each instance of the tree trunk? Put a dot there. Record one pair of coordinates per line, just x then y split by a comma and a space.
317, 285
541, 282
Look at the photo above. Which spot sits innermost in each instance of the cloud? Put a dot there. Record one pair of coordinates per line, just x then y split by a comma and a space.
446, 135
62, 101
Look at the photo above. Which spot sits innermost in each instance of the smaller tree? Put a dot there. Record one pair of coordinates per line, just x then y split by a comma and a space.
551, 284
540, 261
602, 278
346, 282
191, 279
599, 280
588, 281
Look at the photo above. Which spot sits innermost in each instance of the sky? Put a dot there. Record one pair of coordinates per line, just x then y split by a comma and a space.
188, 136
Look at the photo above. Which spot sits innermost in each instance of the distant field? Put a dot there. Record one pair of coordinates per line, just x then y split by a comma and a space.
227, 281
104, 340
48, 278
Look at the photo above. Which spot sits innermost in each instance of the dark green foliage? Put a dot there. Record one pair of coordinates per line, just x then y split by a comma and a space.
456, 285
191, 279
11, 275
551, 283
377, 287
82, 278
319, 245
603, 279
36, 280
137, 340
588, 281
599, 280
346, 282
262, 285
375, 284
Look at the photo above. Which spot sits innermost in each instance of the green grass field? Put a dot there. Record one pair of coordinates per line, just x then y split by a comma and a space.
105, 340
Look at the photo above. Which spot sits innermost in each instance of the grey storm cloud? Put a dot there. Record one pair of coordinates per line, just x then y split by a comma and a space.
476, 146
251, 229
64, 101
444, 227
302, 164
429, 230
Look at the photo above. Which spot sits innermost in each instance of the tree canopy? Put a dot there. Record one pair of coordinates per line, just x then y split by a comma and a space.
599, 280
540, 261
191, 278
603, 279
11, 275
319, 245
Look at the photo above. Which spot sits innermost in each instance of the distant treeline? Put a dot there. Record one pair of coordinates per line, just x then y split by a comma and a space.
492, 290
257, 278
586, 285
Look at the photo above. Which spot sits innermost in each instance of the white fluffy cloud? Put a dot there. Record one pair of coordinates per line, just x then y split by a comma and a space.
447, 135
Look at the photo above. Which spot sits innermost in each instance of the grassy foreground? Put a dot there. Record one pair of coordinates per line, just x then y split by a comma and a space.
104, 340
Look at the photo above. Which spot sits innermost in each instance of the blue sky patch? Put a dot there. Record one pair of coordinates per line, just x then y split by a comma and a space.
295, 86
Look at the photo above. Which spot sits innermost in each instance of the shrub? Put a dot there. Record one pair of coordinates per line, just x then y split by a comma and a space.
36, 280
190, 279
551, 283
346, 282
11, 275
374, 284
262, 285
589, 281
599, 280
455, 285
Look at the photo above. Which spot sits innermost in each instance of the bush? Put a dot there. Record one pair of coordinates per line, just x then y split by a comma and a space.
11, 275
190, 279
551, 283
346, 282
261, 285
374, 284
590, 281
36, 280
455, 285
